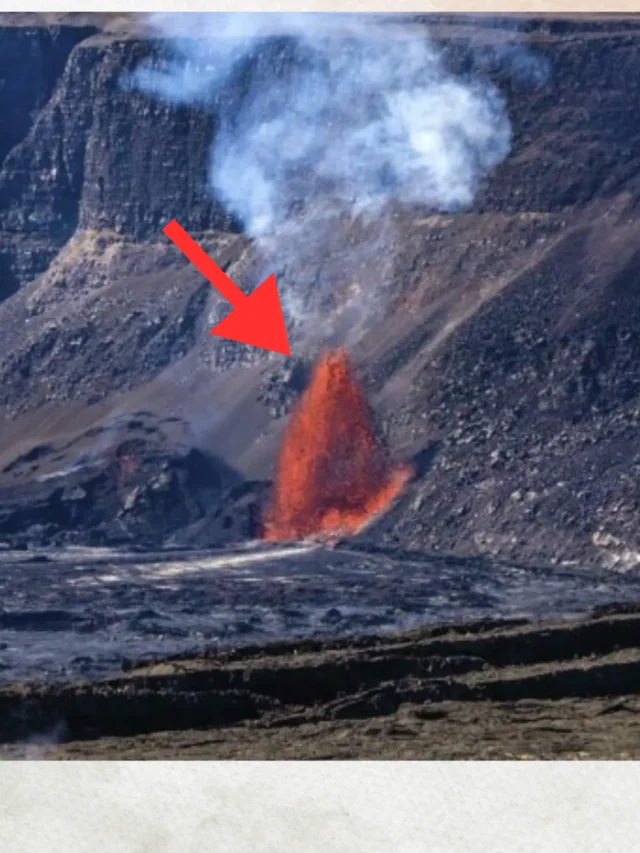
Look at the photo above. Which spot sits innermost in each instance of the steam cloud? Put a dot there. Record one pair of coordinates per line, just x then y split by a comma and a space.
319, 117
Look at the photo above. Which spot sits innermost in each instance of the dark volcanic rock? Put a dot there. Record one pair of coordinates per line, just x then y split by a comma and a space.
80, 164
505, 337
32, 60
234, 516
136, 489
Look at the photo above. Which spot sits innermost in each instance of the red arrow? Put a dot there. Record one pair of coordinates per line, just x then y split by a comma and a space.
255, 319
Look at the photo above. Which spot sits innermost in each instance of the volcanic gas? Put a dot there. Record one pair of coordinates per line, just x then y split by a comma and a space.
332, 474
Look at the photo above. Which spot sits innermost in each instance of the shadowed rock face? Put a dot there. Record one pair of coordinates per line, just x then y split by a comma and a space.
94, 156
505, 352
32, 60
80, 150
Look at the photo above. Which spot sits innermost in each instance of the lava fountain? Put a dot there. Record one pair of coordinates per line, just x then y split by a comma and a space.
332, 475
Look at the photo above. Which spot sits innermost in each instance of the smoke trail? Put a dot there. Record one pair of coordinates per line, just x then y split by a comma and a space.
323, 120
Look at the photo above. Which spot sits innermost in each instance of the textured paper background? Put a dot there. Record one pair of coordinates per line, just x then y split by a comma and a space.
330, 808
531, 6
357, 807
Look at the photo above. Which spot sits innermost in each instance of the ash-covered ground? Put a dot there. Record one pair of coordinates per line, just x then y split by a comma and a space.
83, 613
487, 688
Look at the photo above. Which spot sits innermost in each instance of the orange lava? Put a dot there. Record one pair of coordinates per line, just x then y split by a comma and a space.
332, 476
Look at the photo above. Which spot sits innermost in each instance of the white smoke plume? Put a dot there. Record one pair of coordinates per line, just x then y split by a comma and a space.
320, 118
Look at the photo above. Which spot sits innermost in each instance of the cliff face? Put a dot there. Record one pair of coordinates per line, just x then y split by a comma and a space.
87, 154
509, 338
76, 150
32, 61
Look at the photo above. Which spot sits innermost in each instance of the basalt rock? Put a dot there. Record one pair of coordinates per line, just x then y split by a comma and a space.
505, 336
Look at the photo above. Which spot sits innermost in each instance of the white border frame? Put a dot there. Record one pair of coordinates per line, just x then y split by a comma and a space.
404, 807
355, 807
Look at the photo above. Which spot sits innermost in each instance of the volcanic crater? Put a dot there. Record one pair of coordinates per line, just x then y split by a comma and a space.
467, 442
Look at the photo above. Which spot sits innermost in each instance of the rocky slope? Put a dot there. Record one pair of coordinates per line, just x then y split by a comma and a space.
504, 361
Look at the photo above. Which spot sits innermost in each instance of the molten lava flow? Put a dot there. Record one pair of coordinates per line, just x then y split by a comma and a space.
332, 476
